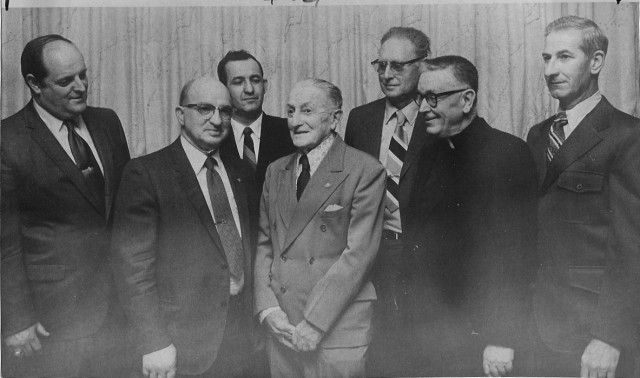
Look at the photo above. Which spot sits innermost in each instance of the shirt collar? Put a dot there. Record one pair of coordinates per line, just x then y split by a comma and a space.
410, 111
317, 154
238, 128
195, 156
53, 123
576, 114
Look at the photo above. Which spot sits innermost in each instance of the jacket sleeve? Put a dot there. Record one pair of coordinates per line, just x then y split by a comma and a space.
134, 254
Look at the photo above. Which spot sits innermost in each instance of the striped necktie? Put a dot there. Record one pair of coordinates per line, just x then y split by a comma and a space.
395, 159
556, 135
249, 152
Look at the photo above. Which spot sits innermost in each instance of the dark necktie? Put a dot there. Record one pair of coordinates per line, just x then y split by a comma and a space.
395, 159
223, 218
556, 135
249, 153
304, 177
85, 160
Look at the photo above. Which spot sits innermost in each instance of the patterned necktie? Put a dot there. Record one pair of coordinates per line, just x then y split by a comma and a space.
249, 153
304, 177
223, 218
556, 135
395, 159
85, 161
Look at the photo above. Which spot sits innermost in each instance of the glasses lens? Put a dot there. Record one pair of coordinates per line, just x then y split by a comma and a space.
432, 99
226, 111
380, 66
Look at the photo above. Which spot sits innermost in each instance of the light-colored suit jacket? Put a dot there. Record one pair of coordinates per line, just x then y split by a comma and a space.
314, 255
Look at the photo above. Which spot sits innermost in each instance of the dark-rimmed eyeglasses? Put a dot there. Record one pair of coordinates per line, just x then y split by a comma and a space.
432, 98
395, 67
207, 110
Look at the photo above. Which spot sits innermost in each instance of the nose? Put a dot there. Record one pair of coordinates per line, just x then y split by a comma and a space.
424, 106
387, 72
80, 85
295, 121
550, 68
215, 118
248, 87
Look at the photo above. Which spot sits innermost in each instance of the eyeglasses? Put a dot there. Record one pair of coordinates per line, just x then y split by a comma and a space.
207, 110
432, 98
395, 67
307, 112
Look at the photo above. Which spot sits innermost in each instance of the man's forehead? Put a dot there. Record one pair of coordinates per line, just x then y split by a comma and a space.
565, 39
307, 95
397, 49
209, 91
436, 80
247, 67
59, 55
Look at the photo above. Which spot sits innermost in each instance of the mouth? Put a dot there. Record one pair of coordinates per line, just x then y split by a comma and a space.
251, 99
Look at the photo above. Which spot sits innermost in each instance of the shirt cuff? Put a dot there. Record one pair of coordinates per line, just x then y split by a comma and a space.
264, 313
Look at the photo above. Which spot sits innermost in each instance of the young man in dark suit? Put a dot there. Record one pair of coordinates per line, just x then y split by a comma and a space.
184, 230
255, 136
61, 166
470, 234
587, 295
390, 129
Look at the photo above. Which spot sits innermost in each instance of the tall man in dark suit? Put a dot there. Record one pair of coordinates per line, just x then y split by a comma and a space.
587, 294
320, 225
390, 130
470, 233
184, 228
255, 136
61, 166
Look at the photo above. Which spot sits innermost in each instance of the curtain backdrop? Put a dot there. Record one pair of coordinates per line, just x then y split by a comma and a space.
138, 58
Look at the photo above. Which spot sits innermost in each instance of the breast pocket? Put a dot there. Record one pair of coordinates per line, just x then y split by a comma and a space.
333, 227
583, 200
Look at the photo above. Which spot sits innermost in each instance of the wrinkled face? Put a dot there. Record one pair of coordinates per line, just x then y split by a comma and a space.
401, 85
205, 134
445, 119
567, 69
312, 117
63, 92
246, 85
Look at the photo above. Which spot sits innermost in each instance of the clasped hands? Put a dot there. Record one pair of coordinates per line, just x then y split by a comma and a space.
304, 337
26, 342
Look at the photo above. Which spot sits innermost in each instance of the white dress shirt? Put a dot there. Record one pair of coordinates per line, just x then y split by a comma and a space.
578, 112
61, 133
238, 130
197, 159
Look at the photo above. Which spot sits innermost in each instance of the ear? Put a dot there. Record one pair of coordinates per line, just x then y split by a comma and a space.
33, 84
468, 97
265, 85
180, 115
597, 62
337, 117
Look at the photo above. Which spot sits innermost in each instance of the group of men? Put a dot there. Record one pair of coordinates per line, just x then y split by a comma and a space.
424, 243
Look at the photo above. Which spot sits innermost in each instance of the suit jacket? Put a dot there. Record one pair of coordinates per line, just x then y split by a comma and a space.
313, 263
275, 142
588, 282
169, 263
470, 237
55, 233
364, 132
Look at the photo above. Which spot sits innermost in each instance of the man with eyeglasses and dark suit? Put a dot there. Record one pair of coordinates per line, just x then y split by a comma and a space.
470, 234
390, 130
184, 230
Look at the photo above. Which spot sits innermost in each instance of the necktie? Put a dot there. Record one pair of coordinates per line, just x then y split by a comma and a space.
395, 159
223, 218
304, 177
556, 135
85, 161
249, 153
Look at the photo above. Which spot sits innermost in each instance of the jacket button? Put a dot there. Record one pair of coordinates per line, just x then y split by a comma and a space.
323, 227
579, 186
311, 260
270, 275
283, 258
415, 247
283, 289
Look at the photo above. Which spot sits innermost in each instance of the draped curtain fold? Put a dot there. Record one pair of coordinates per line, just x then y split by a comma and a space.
138, 58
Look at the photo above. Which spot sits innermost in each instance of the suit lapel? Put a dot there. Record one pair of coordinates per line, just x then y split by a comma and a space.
373, 123
190, 187
239, 193
539, 146
50, 145
418, 139
583, 138
101, 142
286, 197
323, 183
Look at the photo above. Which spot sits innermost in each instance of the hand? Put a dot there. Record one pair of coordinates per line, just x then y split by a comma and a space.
160, 364
497, 361
26, 343
599, 360
306, 336
278, 325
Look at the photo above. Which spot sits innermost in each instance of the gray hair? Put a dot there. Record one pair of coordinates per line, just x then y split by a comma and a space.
333, 93
593, 39
418, 38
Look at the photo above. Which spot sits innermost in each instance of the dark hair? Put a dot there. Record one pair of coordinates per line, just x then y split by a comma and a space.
31, 61
463, 70
418, 38
593, 39
234, 56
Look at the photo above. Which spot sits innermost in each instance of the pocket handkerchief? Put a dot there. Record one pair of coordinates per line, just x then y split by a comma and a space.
332, 207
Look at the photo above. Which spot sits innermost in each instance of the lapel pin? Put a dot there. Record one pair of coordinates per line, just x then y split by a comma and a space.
239, 179
327, 185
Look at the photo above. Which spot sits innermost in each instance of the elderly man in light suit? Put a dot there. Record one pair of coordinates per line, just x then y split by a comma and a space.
320, 226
